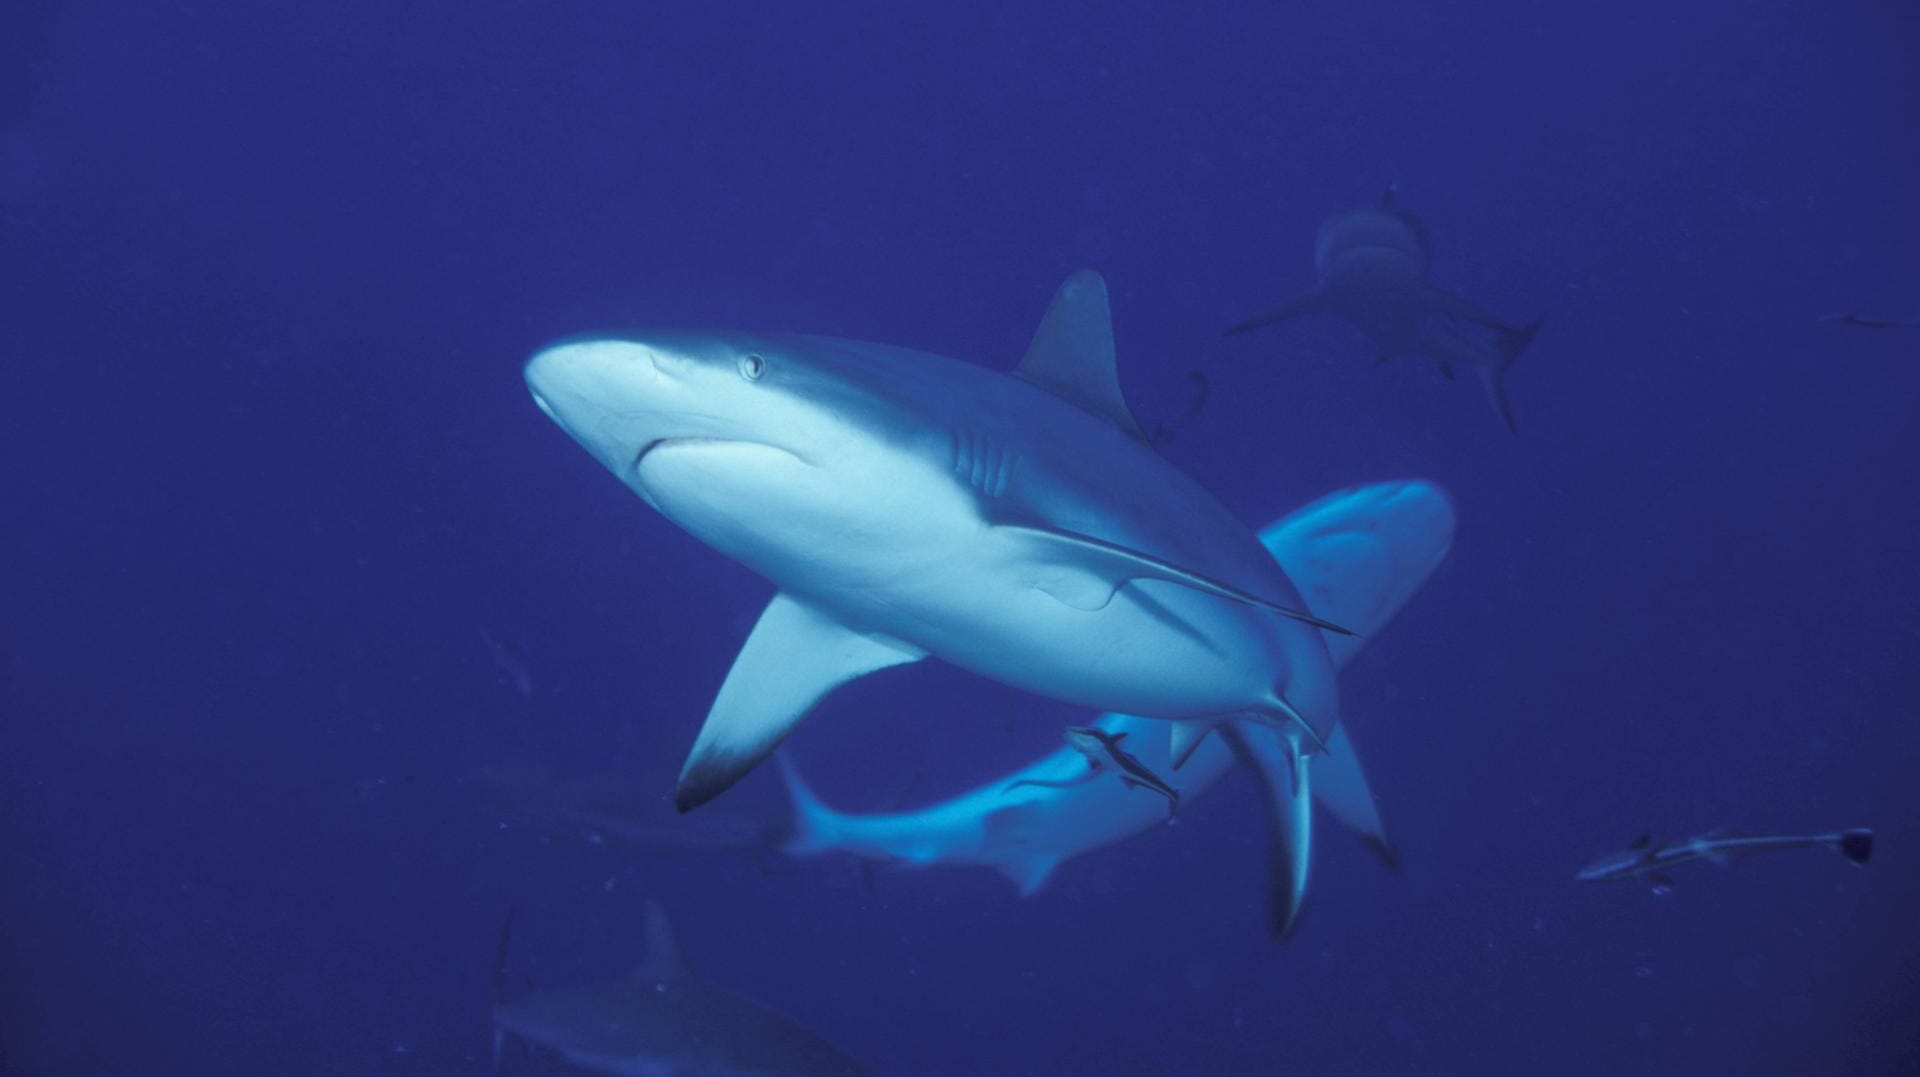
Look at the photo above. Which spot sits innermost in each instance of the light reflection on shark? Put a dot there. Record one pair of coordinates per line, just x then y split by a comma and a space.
1357, 556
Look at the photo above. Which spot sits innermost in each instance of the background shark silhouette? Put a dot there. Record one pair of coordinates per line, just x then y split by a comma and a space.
1373, 273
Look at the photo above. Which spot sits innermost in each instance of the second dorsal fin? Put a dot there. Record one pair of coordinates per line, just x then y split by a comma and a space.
1072, 352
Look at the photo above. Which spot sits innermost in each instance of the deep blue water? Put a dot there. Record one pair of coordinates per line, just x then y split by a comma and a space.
269, 474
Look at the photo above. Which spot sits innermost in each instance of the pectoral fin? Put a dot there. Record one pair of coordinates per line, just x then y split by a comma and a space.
1290, 307
793, 658
1185, 738
1341, 787
1283, 776
1092, 570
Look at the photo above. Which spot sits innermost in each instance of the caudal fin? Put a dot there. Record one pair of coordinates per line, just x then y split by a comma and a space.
1855, 845
815, 827
1510, 344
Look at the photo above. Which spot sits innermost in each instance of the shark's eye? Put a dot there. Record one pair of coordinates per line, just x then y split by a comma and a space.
752, 366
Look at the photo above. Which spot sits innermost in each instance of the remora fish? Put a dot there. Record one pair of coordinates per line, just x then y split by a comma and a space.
661, 1020
1373, 273
1645, 860
1103, 752
909, 505
1358, 555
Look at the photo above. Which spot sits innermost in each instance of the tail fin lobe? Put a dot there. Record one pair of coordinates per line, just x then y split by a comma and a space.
1511, 343
1856, 845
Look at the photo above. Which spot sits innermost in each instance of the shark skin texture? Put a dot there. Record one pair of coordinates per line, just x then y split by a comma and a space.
1358, 556
911, 506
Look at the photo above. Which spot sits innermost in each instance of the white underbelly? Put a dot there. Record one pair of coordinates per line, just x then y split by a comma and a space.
1155, 649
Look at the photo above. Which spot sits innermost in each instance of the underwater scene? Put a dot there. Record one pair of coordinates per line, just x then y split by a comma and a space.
1006, 539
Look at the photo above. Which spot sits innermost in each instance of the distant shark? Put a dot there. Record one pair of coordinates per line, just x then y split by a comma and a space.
662, 1021
1373, 273
1358, 556
909, 505
1645, 860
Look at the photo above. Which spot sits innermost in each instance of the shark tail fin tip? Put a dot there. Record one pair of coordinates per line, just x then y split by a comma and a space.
814, 824
1856, 846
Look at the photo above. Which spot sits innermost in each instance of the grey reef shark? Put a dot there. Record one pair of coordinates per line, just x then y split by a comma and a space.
906, 505
660, 1020
1645, 860
1373, 273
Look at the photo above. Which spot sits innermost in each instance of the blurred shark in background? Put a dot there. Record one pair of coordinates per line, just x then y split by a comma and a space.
1373, 273
661, 1021
1645, 860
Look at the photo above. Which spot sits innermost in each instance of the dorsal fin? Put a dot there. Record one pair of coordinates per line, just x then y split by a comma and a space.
663, 961
1642, 841
1072, 352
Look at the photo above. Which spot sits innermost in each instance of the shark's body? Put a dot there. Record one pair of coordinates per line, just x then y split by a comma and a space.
1358, 556
909, 505
1645, 860
662, 1021
1373, 273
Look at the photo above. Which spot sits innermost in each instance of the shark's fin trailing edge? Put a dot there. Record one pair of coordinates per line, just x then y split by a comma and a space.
1285, 782
794, 656
1341, 787
1072, 354
664, 960
1103, 567
1291, 307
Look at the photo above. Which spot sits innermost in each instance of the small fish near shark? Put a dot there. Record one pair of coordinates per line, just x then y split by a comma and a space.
1645, 860
907, 505
1103, 751
1373, 273
1358, 556
661, 1021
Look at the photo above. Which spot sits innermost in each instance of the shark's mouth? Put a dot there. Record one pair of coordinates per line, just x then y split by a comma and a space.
696, 443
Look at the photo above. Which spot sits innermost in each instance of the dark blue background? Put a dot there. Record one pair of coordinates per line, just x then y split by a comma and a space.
267, 470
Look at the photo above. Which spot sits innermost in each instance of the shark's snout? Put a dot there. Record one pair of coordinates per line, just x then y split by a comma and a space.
602, 391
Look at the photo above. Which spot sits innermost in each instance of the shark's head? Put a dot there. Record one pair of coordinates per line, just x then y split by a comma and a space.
635, 401
714, 430
1377, 239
